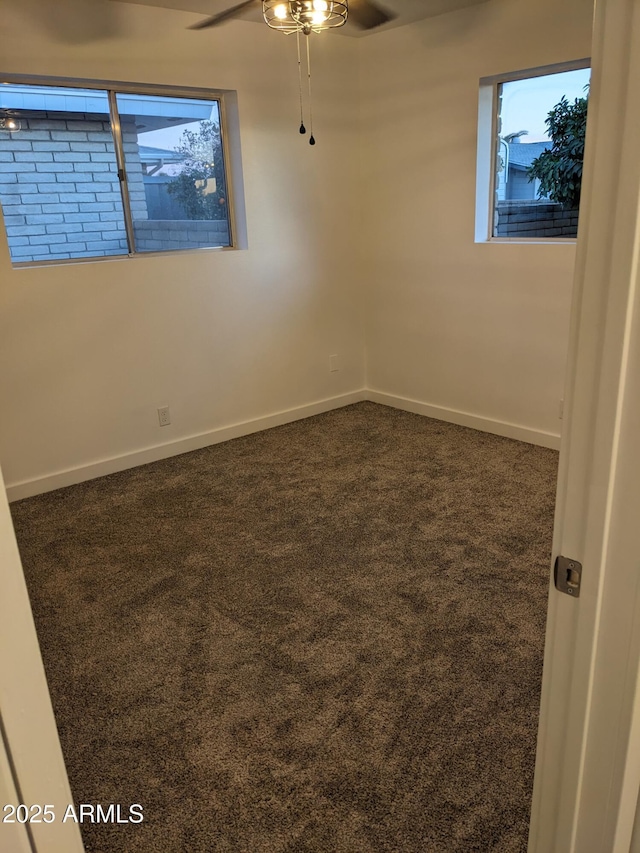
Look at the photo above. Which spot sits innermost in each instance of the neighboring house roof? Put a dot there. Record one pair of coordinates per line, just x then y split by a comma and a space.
152, 112
149, 154
158, 163
522, 154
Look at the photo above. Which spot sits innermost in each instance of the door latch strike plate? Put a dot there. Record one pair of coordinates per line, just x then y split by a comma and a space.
568, 576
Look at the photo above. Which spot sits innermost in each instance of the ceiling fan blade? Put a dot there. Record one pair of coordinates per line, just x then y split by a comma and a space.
367, 15
221, 17
74, 21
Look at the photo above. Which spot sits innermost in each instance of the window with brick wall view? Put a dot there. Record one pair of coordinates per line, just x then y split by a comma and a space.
541, 125
86, 173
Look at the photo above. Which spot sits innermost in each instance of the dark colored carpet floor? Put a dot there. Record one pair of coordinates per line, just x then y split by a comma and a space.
323, 637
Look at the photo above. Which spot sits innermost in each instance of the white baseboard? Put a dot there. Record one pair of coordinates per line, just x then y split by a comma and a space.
71, 476
508, 430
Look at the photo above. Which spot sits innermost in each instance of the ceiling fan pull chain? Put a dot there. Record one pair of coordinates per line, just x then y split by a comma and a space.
312, 140
303, 129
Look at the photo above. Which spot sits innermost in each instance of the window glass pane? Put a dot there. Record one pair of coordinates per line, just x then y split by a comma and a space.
539, 158
59, 186
175, 172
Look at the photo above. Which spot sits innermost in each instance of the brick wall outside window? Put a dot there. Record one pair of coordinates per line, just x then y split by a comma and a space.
60, 190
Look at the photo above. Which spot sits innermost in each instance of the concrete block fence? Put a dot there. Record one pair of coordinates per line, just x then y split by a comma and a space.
156, 235
535, 219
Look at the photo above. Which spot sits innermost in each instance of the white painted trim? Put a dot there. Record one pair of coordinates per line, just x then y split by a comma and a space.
113, 464
537, 71
102, 467
485, 162
479, 422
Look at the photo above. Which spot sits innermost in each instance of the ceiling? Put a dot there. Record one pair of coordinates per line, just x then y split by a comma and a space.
406, 11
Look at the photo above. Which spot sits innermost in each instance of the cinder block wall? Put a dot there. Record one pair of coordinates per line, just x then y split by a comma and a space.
60, 191
156, 235
535, 219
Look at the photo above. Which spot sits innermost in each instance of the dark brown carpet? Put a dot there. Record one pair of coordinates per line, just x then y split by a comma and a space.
323, 637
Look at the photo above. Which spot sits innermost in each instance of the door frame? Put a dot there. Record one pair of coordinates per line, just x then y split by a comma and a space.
587, 769
31, 764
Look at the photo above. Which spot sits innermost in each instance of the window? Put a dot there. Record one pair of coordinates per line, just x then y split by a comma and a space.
91, 172
530, 149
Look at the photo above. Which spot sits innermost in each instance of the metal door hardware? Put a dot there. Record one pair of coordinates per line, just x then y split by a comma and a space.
568, 576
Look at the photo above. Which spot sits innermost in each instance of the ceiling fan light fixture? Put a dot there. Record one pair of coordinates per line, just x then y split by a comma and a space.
304, 16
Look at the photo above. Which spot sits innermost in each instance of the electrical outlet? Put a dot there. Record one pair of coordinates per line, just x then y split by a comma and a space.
164, 417
333, 364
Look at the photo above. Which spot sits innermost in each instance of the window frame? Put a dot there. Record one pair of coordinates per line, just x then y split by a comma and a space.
487, 150
230, 140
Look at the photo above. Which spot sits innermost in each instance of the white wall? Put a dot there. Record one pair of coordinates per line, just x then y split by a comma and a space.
375, 226
89, 351
474, 328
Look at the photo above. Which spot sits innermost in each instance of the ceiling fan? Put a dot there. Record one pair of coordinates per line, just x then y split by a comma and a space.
305, 17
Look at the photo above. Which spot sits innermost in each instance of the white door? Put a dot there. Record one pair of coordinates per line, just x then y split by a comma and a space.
13, 835
32, 769
588, 763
